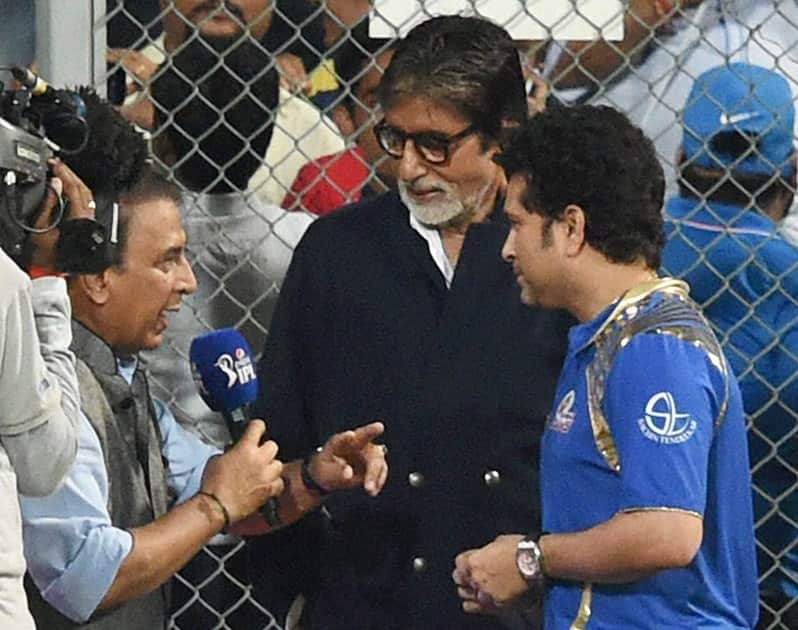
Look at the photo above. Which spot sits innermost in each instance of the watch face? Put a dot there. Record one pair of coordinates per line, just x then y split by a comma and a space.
529, 560
528, 563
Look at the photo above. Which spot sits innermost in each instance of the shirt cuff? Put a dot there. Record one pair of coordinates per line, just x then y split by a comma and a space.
84, 583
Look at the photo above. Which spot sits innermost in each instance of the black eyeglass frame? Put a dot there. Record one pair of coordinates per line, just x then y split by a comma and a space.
424, 141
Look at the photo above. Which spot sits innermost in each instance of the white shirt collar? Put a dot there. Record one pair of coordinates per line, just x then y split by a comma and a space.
435, 244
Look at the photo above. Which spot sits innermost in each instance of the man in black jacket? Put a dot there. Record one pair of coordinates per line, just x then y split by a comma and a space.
399, 308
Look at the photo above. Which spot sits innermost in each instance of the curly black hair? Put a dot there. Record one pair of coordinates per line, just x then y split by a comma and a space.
595, 158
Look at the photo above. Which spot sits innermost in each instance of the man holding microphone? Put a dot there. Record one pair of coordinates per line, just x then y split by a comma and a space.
145, 495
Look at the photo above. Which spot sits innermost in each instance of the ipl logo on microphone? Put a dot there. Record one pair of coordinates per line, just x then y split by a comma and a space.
663, 424
238, 369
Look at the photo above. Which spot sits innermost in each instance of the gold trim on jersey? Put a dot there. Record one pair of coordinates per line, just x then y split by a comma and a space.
583, 615
677, 315
637, 294
662, 509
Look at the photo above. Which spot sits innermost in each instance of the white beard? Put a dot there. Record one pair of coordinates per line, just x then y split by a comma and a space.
445, 211
432, 214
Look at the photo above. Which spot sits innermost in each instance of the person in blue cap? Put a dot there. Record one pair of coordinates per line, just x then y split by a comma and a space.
737, 179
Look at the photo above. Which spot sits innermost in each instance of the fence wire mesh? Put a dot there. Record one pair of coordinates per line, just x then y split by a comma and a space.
322, 154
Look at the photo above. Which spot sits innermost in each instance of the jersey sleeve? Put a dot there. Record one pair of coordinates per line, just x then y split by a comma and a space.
661, 403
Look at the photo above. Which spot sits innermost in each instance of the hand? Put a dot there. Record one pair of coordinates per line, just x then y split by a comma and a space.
350, 459
293, 76
536, 100
64, 187
473, 601
141, 111
137, 65
247, 475
488, 579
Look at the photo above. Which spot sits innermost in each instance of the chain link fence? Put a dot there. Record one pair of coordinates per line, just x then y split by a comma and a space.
321, 154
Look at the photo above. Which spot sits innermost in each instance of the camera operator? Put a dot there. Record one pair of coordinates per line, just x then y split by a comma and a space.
39, 399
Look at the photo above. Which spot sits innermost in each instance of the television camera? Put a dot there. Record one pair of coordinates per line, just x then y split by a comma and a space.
37, 123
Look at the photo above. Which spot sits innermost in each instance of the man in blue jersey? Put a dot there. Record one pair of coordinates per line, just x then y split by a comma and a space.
645, 484
737, 180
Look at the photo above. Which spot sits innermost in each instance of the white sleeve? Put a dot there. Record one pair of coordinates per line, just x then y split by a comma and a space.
53, 312
38, 436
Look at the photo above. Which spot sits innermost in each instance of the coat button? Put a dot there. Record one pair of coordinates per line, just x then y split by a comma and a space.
492, 478
419, 564
415, 479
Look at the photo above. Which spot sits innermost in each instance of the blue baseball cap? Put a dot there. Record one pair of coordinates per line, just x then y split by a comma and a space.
746, 99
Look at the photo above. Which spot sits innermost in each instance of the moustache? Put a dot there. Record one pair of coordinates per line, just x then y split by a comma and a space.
211, 5
420, 186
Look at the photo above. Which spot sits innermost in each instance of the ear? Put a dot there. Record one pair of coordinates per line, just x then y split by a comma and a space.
96, 287
574, 225
343, 118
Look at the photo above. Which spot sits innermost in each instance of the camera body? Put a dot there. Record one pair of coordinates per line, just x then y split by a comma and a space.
36, 124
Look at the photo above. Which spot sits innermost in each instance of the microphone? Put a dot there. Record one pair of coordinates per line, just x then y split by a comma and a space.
32, 81
222, 365
62, 112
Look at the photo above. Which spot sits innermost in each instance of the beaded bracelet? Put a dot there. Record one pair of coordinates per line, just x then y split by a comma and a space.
213, 497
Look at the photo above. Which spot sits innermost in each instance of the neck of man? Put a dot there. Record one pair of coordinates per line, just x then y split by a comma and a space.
91, 317
601, 282
98, 330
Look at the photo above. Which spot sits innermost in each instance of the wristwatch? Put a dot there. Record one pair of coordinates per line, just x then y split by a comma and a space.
529, 560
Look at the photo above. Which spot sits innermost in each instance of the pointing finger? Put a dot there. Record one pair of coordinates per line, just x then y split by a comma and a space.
341, 442
367, 433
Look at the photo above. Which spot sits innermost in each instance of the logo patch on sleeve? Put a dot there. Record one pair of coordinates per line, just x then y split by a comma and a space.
663, 424
564, 416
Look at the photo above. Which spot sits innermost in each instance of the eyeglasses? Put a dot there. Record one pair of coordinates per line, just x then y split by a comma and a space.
433, 146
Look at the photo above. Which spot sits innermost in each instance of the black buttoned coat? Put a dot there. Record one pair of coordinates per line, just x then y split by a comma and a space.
365, 329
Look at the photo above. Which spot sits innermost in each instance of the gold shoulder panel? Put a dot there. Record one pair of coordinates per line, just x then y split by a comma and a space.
627, 307
676, 314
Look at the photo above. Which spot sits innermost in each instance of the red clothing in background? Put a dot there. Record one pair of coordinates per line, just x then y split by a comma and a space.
328, 182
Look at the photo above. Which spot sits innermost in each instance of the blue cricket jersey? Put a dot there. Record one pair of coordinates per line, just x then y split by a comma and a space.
661, 398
